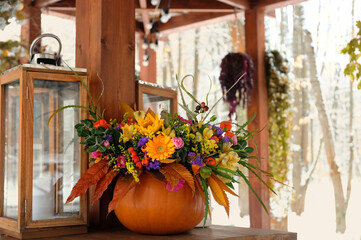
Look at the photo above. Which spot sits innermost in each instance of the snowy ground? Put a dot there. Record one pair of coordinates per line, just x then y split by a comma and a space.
318, 219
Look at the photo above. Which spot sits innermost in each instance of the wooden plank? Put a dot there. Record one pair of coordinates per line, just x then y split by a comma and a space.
32, 26
242, 4
105, 40
190, 6
44, 3
269, 5
61, 13
145, 16
208, 233
23, 155
255, 47
194, 20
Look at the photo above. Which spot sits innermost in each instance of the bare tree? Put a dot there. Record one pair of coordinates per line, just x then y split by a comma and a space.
341, 200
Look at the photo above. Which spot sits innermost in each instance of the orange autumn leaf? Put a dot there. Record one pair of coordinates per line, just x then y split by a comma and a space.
168, 160
223, 185
185, 174
170, 175
91, 177
123, 185
196, 168
218, 193
103, 185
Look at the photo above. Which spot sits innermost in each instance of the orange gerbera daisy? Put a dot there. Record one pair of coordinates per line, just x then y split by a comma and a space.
160, 147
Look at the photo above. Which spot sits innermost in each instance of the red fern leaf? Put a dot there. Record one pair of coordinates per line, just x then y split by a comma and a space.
123, 185
103, 184
91, 177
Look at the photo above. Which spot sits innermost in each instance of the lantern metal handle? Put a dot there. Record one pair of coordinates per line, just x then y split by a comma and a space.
33, 44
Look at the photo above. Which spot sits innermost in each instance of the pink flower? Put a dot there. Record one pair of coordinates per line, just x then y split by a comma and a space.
177, 187
178, 142
106, 143
121, 161
234, 140
96, 154
184, 120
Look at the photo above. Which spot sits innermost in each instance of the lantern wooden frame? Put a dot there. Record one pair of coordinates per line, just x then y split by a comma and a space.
156, 90
24, 226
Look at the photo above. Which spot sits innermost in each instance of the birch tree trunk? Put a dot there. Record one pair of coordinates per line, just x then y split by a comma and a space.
301, 106
196, 67
341, 201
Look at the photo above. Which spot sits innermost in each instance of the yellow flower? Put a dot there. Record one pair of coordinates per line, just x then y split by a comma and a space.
160, 147
168, 131
128, 132
149, 125
228, 160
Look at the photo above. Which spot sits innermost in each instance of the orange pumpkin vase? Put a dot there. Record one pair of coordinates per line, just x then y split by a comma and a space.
149, 208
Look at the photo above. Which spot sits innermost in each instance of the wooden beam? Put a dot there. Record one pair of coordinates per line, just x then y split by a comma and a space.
194, 20
31, 29
192, 6
255, 47
145, 16
65, 14
105, 45
269, 5
147, 73
44, 3
242, 4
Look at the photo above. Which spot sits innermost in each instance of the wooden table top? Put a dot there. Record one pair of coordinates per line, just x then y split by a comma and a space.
208, 233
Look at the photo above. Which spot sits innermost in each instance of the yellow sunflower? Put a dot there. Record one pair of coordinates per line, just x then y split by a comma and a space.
149, 125
160, 147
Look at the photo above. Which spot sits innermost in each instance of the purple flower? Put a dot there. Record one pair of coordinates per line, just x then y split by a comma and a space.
117, 128
198, 161
143, 140
108, 137
226, 139
154, 164
191, 154
219, 131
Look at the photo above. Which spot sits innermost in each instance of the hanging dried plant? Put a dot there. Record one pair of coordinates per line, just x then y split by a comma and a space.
232, 67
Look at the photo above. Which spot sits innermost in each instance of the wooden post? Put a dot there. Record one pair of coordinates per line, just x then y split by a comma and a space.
32, 27
147, 73
105, 40
255, 47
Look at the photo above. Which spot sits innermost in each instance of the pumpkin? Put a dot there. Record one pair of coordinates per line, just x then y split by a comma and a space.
149, 208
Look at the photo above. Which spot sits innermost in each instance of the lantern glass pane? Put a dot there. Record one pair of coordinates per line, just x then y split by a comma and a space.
56, 157
11, 149
156, 103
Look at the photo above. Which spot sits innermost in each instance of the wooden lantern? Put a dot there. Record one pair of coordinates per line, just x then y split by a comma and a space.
40, 163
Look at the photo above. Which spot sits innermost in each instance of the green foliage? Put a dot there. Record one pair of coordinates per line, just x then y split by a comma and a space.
353, 49
278, 82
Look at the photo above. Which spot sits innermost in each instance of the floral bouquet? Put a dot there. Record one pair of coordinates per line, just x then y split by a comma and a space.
179, 151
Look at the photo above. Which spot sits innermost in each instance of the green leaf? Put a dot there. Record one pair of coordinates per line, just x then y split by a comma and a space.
249, 149
250, 186
206, 196
92, 148
102, 148
63, 108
